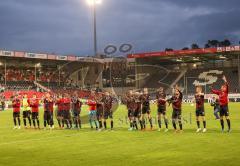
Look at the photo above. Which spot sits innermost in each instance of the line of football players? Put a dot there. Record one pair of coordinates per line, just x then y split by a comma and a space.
68, 110
138, 106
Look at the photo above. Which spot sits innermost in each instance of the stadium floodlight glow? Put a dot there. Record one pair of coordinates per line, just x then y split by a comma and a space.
1, 64
94, 2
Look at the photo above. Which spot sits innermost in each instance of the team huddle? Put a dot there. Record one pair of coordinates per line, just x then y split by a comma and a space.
68, 109
138, 106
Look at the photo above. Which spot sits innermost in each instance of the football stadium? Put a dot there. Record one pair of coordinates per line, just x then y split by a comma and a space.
160, 107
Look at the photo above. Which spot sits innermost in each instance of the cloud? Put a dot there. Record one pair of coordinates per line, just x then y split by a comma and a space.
65, 26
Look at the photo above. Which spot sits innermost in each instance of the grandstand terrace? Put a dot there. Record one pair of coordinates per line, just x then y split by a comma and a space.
188, 68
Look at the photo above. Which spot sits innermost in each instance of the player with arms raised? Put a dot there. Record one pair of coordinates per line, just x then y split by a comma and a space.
223, 99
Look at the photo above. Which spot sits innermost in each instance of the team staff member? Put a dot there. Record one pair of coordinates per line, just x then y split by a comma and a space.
26, 111
16, 104
34, 104
223, 100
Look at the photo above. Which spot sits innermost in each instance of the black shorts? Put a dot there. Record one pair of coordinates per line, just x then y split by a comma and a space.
59, 113
108, 114
162, 110
176, 114
47, 115
130, 113
224, 111
145, 110
34, 115
137, 113
26, 114
16, 114
99, 114
200, 112
66, 114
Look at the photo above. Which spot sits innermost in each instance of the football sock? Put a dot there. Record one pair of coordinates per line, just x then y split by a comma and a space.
111, 124
105, 124
79, 123
131, 124
180, 124
222, 124
70, 122
38, 123
96, 124
34, 123
19, 121
59, 122
174, 124
30, 122
141, 124
135, 124
90, 121
166, 122
24, 122
100, 124
15, 122
76, 123
229, 124
150, 121
204, 124
45, 123
198, 124
159, 124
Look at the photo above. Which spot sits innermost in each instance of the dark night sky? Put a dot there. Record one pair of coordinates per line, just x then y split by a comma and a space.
65, 26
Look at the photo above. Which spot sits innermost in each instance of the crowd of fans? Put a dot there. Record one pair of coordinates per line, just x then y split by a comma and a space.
47, 75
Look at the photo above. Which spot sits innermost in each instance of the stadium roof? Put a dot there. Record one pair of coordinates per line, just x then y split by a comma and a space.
190, 56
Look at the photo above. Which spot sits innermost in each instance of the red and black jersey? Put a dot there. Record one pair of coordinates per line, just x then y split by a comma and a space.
130, 103
60, 104
199, 98
76, 104
34, 104
107, 101
161, 100
48, 104
177, 101
137, 103
66, 104
145, 99
223, 95
16, 104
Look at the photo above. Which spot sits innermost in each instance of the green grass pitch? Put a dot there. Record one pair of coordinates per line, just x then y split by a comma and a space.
122, 147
